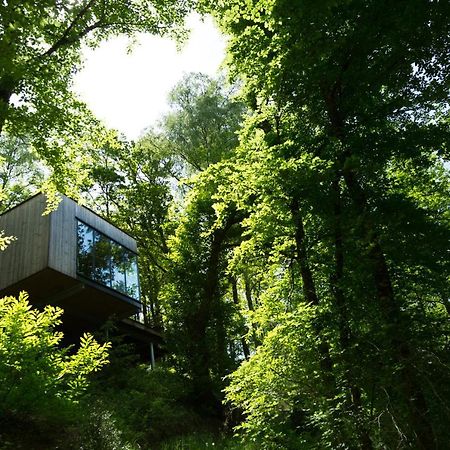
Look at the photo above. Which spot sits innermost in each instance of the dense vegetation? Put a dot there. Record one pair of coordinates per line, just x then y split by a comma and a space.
293, 224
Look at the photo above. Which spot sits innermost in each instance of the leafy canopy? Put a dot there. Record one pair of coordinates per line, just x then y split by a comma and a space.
41, 50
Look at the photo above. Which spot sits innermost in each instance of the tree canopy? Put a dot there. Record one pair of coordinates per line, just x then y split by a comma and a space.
40, 51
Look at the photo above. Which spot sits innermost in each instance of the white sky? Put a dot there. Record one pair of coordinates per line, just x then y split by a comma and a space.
128, 92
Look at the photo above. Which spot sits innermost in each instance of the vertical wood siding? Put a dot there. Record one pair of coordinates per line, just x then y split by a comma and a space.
63, 239
29, 253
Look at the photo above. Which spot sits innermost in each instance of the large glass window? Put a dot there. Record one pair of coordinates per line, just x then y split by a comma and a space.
105, 261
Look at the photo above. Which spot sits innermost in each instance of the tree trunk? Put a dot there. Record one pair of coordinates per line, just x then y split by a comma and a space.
5, 96
310, 295
248, 294
234, 289
198, 324
389, 307
345, 334
251, 307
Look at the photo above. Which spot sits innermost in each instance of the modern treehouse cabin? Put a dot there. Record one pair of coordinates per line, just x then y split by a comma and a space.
74, 259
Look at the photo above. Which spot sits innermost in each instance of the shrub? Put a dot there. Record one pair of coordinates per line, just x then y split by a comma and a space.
40, 382
148, 406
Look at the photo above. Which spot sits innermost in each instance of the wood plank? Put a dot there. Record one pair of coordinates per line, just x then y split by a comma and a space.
29, 253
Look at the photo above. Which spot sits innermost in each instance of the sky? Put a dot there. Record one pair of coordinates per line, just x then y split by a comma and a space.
128, 91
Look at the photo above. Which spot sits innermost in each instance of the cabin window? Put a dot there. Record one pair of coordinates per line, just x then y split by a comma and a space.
106, 262
85, 260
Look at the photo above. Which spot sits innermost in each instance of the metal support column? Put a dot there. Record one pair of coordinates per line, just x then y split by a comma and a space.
152, 355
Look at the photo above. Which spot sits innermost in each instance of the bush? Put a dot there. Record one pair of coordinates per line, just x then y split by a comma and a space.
40, 382
147, 405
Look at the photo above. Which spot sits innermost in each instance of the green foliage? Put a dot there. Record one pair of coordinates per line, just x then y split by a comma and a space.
5, 240
279, 388
133, 406
341, 181
135, 184
200, 316
36, 374
40, 51
130, 185
20, 172
97, 429
206, 441
202, 127
147, 406
304, 266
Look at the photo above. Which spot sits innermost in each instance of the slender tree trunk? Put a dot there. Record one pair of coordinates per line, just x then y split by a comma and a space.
345, 334
234, 289
251, 307
145, 307
7, 87
446, 303
157, 315
310, 295
389, 306
221, 356
155, 307
248, 294
154, 317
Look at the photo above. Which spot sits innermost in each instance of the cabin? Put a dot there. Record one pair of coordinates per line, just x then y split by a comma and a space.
75, 259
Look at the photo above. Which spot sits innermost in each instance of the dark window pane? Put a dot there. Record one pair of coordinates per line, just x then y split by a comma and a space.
102, 269
132, 279
85, 257
118, 267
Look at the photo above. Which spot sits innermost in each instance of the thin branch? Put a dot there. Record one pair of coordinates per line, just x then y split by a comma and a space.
64, 39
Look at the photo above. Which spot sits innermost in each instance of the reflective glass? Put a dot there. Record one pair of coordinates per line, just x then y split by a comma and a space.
102, 259
131, 276
85, 260
118, 267
105, 261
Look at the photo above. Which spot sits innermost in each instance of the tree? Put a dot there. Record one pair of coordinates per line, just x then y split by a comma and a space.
199, 316
183, 280
136, 184
40, 51
201, 129
362, 89
20, 172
